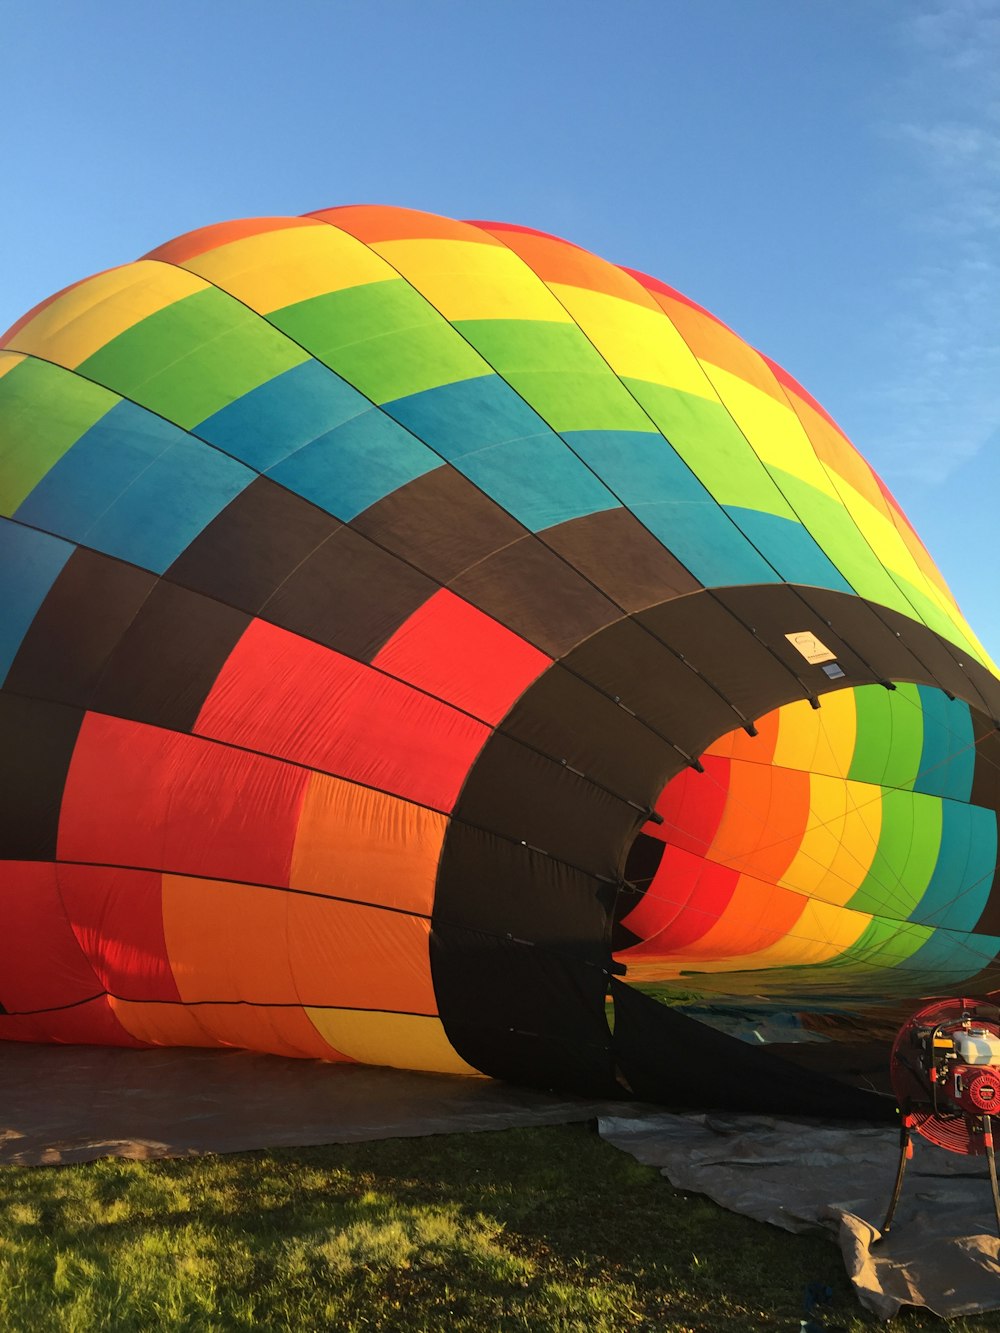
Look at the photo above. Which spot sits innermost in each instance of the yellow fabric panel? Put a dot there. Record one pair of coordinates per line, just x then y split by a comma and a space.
840, 841
84, 319
823, 931
8, 360
468, 280
353, 842
772, 428
818, 739
403, 1041
638, 342
280, 268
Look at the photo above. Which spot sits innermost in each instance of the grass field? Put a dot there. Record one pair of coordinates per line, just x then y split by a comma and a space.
544, 1229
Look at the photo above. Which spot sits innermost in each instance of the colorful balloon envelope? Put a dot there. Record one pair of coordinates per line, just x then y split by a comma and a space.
416, 632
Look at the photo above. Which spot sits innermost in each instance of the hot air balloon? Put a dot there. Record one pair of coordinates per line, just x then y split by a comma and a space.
428, 644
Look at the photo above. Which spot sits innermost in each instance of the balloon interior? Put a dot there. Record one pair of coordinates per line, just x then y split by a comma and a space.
945, 1069
425, 643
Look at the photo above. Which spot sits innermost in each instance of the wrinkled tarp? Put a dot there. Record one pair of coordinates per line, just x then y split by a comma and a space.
62, 1104
942, 1252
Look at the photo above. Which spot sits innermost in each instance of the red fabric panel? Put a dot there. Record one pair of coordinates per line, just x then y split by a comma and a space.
692, 805
453, 650
140, 796
42, 965
296, 699
686, 898
117, 916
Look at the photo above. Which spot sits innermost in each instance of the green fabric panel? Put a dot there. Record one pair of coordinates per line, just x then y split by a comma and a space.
890, 736
44, 411
709, 441
885, 944
937, 620
573, 390
835, 530
908, 847
382, 337
193, 358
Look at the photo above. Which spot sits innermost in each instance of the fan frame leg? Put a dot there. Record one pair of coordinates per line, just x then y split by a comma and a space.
991, 1162
905, 1150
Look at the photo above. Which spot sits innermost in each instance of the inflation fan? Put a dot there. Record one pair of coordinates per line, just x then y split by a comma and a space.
945, 1070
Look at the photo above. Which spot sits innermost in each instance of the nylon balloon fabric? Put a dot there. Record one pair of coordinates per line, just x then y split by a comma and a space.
410, 624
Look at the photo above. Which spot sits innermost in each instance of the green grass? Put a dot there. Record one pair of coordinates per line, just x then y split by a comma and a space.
545, 1229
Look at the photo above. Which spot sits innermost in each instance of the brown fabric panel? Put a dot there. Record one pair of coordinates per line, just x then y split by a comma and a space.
532, 591
864, 628
537, 801
649, 679
349, 595
165, 665
439, 522
36, 746
986, 776
251, 547
952, 672
568, 719
614, 551
715, 642
87, 611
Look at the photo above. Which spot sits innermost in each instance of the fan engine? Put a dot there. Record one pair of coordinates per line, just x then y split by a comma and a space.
945, 1071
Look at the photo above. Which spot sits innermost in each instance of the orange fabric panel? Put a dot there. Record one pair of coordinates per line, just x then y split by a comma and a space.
757, 749
354, 842
765, 816
285, 1031
558, 261
757, 916
372, 223
162, 1024
203, 239
199, 915
354, 957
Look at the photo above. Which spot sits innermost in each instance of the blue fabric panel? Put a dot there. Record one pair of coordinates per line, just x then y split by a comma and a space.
790, 548
966, 864
272, 421
352, 466
948, 757
950, 957
30, 562
501, 444
136, 487
665, 495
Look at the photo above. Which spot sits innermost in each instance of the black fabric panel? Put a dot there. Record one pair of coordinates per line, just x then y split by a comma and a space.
567, 718
84, 616
439, 522
490, 885
169, 659
952, 671
864, 629
349, 595
519, 1012
614, 551
528, 588
36, 746
524, 796
252, 546
986, 774
657, 686
714, 641
670, 1058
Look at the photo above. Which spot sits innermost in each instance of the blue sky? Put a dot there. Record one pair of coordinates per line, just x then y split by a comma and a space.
822, 174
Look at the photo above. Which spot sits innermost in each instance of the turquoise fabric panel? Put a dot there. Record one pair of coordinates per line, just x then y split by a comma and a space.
790, 548
506, 449
30, 562
966, 864
948, 757
136, 487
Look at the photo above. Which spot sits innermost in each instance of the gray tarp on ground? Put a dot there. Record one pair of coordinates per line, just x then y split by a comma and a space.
943, 1251
62, 1104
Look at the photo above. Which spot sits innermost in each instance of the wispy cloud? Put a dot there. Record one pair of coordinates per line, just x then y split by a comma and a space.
944, 401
